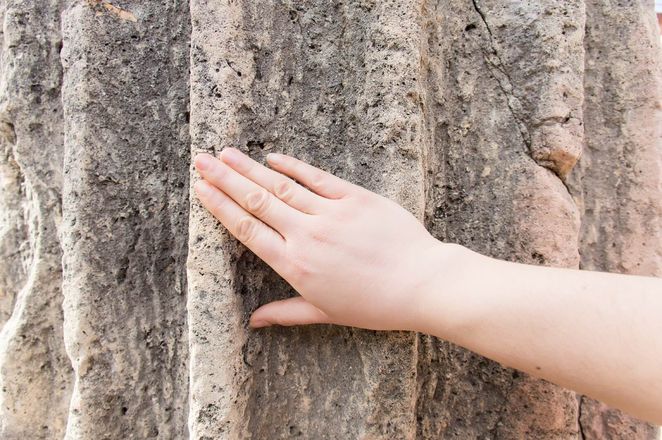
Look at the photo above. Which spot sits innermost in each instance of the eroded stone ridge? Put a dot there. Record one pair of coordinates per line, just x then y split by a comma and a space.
35, 372
125, 217
528, 131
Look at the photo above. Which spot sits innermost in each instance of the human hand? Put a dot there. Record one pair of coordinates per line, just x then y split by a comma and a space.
356, 258
361, 260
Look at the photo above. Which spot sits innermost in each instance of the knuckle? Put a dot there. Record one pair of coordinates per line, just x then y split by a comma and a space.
276, 318
297, 166
317, 180
283, 190
218, 170
258, 202
218, 205
246, 229
320, 234
298, 267
299, 272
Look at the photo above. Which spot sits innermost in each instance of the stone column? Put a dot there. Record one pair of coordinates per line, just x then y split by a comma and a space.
528, 131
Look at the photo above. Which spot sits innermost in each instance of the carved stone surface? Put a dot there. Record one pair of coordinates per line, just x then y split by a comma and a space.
528, 131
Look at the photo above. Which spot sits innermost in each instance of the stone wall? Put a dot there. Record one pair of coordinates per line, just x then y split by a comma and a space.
528, 131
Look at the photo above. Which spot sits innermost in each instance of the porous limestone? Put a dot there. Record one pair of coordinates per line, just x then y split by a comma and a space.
527, 131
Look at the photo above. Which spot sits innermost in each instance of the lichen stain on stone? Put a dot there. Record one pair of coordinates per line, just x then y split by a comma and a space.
122, 14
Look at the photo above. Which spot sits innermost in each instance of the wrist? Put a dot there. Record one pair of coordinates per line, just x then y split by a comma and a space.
449, 301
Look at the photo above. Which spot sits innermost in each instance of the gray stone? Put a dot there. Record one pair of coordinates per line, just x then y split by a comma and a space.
124, 227
35, 372
274, 76
488, 192
528, 131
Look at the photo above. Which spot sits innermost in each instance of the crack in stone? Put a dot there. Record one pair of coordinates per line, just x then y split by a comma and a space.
498, 66
554, 120
580, 404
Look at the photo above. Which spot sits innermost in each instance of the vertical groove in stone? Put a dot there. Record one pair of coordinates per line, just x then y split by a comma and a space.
125, 211
501, 83
469, 113
35, 374
336, 85
618, 182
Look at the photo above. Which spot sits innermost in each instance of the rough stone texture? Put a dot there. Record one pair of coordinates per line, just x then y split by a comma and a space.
618, 183
125, 217
488, 191
529, 131
256, 68
35, 372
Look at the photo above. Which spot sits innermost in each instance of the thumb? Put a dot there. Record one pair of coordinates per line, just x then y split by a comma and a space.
291, 311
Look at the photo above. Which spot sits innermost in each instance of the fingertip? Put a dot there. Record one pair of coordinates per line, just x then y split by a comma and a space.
202, 161
258, 322
230, 155
288, 312
275, 158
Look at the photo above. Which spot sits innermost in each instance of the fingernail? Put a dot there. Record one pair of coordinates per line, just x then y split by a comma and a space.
203, 161
231, 156
275, 158
257, 323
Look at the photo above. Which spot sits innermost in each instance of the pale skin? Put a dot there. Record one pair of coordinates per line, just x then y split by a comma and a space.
359, 259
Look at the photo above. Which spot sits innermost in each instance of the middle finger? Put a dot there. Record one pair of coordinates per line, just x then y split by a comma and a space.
281, 186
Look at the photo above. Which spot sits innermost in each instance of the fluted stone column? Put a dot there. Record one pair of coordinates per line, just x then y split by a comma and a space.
528, 131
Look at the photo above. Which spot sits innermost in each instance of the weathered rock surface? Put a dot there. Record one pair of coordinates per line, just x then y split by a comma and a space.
124, 227
619, 178
35, 372
528, 131
488, 191
256, 68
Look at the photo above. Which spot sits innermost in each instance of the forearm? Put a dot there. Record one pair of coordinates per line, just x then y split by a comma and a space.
592, 332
